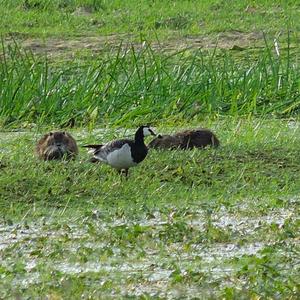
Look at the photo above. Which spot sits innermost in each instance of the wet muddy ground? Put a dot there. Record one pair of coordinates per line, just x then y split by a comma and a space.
72, 248
204, 223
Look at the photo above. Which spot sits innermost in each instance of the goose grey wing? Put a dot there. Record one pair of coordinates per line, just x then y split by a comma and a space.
102, 152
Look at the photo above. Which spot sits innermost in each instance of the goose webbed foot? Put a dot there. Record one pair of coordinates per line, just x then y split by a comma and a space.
123, 171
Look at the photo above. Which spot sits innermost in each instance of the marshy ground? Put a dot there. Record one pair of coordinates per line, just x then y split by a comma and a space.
215, 223
208, 224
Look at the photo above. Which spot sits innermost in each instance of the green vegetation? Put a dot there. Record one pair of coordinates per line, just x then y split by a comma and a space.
215, 223
168, 19
121, 82
143, 85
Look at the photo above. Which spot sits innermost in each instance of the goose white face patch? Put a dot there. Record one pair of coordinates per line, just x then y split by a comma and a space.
147, 131
121, 158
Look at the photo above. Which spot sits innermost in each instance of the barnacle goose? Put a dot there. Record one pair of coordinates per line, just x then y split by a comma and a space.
124, 153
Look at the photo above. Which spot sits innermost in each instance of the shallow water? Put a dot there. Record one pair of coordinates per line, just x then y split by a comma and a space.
154, 269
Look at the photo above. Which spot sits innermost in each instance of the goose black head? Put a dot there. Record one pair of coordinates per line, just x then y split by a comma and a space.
142, 132
146, 130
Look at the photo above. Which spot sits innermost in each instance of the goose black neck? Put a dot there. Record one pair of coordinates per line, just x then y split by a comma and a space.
139, 136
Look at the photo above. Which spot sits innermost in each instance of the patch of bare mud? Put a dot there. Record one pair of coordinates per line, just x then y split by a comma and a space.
68, 47
235, 40
55, 47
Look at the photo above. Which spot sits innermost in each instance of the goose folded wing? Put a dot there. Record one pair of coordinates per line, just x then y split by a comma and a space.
111, 147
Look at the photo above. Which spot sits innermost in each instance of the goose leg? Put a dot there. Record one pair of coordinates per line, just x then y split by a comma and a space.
126, 173
123, 171
94, 160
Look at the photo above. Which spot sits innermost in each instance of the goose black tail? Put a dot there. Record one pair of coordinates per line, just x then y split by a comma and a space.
94, 160
92, 146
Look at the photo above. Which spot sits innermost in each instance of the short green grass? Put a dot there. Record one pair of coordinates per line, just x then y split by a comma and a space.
208, 223
166, 19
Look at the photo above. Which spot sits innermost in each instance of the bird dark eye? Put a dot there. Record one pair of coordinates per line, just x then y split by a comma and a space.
152, 132
51, 133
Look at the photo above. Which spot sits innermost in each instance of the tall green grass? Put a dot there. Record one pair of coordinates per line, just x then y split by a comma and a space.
134, 84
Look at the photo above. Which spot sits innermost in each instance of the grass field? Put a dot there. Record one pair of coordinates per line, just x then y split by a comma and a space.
201, 224
167, 19
213, 223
